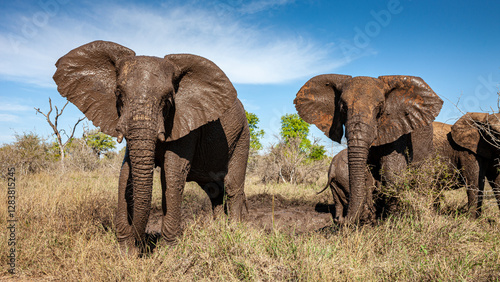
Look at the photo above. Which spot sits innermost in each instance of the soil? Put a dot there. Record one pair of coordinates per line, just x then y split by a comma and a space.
290, 216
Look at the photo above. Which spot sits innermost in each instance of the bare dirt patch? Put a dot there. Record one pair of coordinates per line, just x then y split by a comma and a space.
293, 216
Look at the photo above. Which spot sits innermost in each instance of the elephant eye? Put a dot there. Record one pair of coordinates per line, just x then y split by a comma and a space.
380, 109
119, 106
342, 106
118, 92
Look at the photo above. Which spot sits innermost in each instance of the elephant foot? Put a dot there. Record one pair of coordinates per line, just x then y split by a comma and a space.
237, 207
218, 211
169, 241
129, 249
340, 220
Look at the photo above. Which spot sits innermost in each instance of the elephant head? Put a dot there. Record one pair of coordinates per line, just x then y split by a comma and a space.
145, 100
479, 133
374, 111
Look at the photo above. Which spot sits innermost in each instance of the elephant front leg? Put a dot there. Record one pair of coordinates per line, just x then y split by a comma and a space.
125, 207
173, 179
392, 166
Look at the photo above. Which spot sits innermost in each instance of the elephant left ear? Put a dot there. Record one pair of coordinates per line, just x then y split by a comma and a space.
203, 93
409, 104
465, 132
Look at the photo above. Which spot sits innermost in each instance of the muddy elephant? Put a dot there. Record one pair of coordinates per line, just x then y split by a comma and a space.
469, 146
379, 115
472, 146
179, 112
338, 182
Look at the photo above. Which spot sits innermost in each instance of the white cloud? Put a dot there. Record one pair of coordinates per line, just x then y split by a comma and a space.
9, 118
12, 107
253, 7
247, 54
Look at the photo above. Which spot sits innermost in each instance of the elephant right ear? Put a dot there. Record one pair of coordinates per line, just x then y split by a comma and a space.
317, 102
86, 76
465, 132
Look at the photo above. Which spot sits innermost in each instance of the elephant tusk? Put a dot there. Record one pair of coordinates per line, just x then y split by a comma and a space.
161, 136
119, 138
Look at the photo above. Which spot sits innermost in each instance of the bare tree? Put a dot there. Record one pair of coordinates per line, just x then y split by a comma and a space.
58, 132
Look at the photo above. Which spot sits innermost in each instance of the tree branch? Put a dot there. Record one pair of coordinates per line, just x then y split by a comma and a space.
54, 126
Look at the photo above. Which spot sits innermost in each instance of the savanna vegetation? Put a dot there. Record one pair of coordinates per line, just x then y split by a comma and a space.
66, 212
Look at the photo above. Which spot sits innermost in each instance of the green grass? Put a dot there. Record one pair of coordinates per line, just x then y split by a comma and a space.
66, 232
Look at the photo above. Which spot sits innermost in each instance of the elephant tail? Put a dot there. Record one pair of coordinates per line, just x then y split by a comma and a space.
323, 190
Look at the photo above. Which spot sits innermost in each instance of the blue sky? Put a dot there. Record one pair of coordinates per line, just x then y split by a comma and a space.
268, 48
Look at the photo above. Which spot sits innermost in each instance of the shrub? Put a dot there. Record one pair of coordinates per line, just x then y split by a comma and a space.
419, 189
287, 162
28, 154
81, 156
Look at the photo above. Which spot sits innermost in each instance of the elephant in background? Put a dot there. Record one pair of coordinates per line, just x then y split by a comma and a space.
179, 112
472, 146
380, 116
338, 182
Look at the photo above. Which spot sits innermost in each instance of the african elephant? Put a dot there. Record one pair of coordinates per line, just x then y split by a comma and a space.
338, 182
471, 145
379, 115
179, 112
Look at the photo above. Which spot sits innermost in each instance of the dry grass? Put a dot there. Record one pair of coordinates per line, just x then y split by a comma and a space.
65, 232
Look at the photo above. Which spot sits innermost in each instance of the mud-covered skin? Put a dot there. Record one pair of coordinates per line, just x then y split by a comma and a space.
338, 182
473, 166
376, 112
179, 112
467, 147
417, 145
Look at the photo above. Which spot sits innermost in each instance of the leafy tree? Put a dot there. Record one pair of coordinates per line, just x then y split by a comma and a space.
255, 133
293, 126
317, 152
99, 142
55, 148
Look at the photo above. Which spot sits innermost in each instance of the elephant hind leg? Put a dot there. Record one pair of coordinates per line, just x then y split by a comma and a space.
339, 198
234, 181
493, 177
474, 176
495, 186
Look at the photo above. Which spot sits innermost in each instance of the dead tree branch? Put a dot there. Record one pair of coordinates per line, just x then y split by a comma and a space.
57, 132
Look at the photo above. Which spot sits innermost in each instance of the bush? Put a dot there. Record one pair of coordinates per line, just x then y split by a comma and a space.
81, 156
419, 189
287, 162
28, 154
32, 154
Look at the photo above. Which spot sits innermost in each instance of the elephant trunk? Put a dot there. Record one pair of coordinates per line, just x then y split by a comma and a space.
141, 144
357, 149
